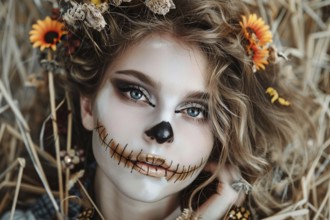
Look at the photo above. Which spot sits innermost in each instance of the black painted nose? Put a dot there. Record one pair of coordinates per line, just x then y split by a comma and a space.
162, 132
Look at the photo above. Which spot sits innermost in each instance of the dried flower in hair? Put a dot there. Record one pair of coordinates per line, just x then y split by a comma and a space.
160, 6
283, 101
96, 2
118, 2
275, 97
74, 14
94, 17
46, 33
258, 38
255, 30
90, 14
56, 14
71, 43
259, 57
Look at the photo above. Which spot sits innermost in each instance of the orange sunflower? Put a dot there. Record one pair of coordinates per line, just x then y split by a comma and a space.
259, 57
259, 37
255, 30
46, 33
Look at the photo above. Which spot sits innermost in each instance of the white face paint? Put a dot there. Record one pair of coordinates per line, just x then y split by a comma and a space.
158, 79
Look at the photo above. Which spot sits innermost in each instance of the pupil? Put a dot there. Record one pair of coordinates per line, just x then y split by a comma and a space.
51, 37
136, 94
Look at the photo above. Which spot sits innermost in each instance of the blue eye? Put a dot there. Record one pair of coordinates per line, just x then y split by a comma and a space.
136, 94
193, 112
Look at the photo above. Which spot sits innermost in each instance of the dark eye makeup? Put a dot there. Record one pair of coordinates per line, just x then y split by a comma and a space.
193, 110
132, 91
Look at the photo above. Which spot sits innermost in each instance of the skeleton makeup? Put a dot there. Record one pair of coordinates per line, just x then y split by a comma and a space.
151, 134
147, 164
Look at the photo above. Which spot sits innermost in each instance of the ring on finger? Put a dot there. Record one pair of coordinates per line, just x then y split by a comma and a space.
241, 185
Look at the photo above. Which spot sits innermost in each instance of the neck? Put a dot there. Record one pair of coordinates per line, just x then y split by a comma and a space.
115, 205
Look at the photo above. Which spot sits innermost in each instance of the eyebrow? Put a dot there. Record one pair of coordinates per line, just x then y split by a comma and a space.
203, 96
139, 75
195, 95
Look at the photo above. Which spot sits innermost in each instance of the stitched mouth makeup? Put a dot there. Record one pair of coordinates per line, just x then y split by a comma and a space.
144, 163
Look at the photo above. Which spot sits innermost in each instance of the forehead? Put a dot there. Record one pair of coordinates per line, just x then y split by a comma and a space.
165, 59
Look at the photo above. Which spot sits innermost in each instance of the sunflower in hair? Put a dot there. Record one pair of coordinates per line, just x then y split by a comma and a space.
259, 57
46, 33
258, 38
255, 30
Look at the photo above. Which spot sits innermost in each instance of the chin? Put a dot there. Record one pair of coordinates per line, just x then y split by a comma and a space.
146, 198
148, 189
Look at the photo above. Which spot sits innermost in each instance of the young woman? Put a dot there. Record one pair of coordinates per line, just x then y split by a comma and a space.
181, 104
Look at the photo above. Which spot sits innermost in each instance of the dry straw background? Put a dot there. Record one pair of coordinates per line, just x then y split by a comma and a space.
301, 31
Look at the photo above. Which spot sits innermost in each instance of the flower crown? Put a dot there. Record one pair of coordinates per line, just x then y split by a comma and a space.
48, 33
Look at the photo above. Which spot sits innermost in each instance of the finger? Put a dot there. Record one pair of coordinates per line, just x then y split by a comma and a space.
218, 204
235, 175
226, 173
233, 171
227, 177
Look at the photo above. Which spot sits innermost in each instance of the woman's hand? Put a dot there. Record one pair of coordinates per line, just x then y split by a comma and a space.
217, 206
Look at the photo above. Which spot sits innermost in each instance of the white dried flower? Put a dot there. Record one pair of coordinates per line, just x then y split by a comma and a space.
90, 14
160, 6
94, 17
76, 13
103, 7
118, 2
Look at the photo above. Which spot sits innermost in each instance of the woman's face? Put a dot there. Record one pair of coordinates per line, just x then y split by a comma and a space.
151, 134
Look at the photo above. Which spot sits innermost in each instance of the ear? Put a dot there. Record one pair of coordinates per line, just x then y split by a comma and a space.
86, 113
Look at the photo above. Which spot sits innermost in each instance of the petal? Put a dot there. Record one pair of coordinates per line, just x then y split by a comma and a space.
37, 44
53, 47
34, 38
42, 47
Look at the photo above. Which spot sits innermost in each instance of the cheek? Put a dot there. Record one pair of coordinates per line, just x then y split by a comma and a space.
194, 142
99, 152
123, 125
121, 120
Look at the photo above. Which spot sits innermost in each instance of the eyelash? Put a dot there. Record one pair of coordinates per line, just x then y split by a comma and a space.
202, 111
126, 90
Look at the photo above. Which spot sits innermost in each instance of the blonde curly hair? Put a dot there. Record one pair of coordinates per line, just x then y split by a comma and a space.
266, 141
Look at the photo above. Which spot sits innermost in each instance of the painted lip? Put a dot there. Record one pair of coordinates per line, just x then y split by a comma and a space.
151, 165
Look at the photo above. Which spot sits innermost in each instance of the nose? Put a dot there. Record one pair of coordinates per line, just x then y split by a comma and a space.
162, 132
